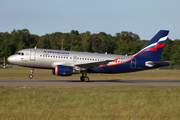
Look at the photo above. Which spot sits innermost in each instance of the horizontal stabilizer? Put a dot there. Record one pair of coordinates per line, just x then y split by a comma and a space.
155, 63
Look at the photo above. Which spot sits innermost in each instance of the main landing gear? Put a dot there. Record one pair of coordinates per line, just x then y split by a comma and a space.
84, 77
31, 75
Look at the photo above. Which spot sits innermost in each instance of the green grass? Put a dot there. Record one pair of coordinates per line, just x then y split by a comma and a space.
23, 73
89, 102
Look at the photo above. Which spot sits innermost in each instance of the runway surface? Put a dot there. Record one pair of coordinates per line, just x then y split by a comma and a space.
91, 82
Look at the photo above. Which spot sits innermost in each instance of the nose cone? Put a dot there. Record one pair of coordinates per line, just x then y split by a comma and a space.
11, 59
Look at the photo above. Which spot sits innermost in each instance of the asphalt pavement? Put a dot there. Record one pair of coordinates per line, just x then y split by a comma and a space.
90, 83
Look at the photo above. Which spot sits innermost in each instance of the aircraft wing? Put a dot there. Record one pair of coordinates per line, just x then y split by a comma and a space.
94, 64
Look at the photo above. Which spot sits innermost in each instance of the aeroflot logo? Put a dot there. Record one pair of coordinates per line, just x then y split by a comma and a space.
55, 52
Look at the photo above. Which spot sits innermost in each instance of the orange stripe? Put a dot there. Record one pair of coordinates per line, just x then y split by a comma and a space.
118, 63
56, 69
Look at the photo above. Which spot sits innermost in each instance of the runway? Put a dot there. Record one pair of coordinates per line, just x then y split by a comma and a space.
90, 83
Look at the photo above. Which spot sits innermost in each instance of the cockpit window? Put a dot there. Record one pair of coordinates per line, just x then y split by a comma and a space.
19, 53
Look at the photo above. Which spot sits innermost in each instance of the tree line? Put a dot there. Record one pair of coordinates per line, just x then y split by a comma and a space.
122, 43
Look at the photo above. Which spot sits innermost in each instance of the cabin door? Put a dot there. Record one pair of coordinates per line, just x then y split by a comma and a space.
32, 55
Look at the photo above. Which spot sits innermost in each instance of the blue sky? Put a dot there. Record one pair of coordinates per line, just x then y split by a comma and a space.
143, 17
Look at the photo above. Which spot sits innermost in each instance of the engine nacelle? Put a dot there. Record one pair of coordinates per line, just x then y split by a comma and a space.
62, 70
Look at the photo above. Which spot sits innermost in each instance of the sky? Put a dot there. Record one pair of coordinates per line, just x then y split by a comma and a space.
142, 17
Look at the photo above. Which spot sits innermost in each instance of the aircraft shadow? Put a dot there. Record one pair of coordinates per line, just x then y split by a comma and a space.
112, 80
125, 81
91, 81
57, 80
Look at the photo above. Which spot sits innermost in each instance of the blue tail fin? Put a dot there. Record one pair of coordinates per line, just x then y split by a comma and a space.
153, 49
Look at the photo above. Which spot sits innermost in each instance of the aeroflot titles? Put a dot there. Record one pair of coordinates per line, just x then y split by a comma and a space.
56, 52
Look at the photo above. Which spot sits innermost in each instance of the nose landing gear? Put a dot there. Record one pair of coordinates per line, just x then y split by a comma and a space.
31, 75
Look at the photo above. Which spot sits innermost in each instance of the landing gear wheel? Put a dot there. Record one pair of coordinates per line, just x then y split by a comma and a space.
30, 76
86, 79
82, 78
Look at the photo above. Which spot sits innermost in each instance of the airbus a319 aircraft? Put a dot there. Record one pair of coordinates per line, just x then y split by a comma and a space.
66, 63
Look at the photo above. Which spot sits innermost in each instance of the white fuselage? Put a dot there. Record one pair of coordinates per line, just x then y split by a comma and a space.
47, 58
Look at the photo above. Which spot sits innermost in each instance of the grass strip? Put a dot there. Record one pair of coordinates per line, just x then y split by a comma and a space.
89, 102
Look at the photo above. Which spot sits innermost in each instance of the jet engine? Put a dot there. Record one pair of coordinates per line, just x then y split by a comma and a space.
62, 70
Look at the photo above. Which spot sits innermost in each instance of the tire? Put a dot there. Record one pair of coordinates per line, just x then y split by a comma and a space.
30, 76
82, 78
86, 79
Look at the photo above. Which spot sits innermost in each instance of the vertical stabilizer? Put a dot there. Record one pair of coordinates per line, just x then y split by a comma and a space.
153, 49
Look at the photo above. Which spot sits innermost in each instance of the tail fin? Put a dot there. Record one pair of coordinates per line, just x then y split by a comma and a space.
153, 49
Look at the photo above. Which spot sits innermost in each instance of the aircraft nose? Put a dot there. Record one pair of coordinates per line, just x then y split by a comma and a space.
11, 59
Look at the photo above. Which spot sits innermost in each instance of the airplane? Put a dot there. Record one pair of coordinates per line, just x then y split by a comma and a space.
67, 63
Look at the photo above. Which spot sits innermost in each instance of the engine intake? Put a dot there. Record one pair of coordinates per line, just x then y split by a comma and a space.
62, 70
